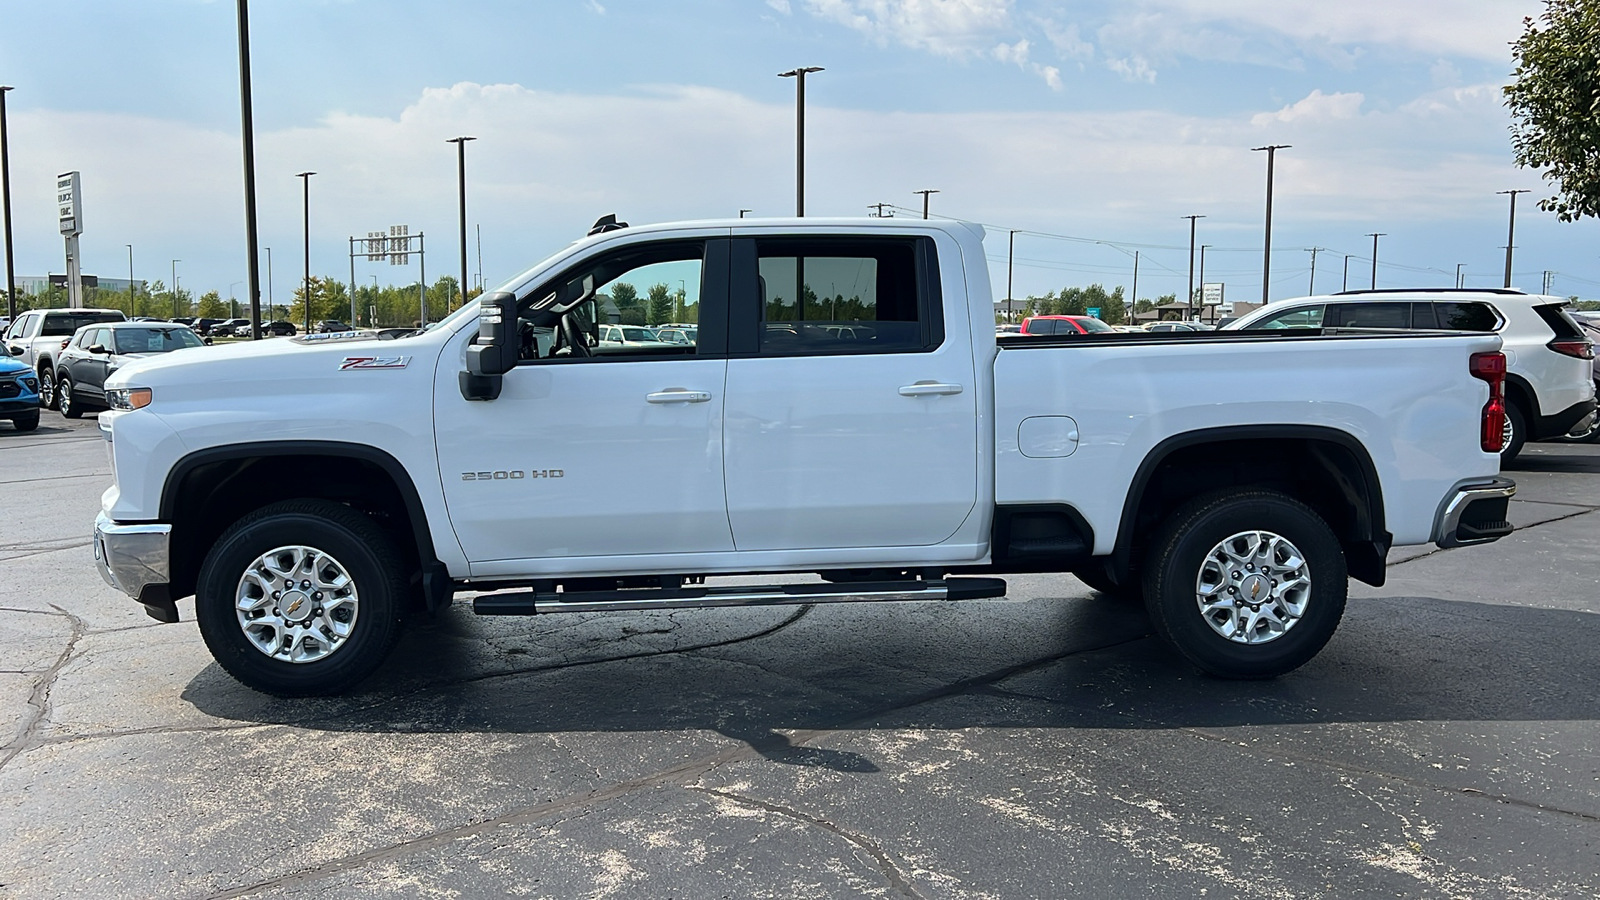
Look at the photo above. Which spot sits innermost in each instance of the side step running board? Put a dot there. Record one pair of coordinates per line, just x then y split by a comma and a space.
528, 603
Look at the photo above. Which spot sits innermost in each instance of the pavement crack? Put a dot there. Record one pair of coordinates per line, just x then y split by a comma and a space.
897, 879
1437, 550
39, 697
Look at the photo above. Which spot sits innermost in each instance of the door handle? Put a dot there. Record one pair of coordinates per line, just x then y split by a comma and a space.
678, 395
929, 387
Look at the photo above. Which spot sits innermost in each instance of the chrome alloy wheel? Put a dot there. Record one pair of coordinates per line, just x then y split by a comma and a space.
297, 604
1507, 431
1253, 587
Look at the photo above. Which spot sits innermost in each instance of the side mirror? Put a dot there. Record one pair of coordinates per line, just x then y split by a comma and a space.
98, 349
495, 352
16, 350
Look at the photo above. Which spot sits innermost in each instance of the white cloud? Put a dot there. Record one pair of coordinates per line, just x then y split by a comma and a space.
946, 27
1012, 53
595, 7
1315, 106
1050, 74
1067, 41
1133, 68
780, 5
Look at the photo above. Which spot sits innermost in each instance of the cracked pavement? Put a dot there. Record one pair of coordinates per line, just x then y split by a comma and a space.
1443, 745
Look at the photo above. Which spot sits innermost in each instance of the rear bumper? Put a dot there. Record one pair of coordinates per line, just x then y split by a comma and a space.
1564, 422
1476, 514
137, 560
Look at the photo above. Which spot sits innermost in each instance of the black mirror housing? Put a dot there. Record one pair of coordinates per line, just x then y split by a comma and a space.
495, 352
99, 349
16, 350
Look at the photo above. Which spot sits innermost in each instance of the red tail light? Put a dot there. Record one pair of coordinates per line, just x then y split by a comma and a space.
65, 343
1491, 367
1581, 348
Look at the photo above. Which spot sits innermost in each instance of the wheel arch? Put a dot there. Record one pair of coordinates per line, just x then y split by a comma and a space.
1519, 390
1328, 469
208, 489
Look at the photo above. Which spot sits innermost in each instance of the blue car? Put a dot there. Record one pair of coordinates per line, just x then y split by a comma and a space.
19, 394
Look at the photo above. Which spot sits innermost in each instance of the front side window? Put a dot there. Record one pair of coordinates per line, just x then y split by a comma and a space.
1299, 317
633, 288
844, 295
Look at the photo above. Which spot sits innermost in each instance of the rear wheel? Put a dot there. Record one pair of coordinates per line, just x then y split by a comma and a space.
1246, 585
301, 598
66, 400
1514, 435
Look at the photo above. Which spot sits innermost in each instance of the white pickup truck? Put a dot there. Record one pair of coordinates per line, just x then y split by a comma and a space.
845, 411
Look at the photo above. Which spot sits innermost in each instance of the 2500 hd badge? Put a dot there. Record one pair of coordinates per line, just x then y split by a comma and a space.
512, 475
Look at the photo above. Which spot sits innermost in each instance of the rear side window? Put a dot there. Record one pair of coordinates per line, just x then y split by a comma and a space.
1299, 317
1042, 326
1564, 326
847, 295
1368, 315
1466, 316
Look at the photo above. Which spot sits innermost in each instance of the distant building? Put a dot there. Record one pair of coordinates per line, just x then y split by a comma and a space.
33, 285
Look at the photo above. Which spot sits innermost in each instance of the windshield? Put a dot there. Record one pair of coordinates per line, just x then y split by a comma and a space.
638, 334
1093, 325
154, 340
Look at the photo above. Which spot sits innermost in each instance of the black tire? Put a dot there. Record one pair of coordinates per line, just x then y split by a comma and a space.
1173, 569
1097, 574
357, 543
26, 421
47, 389
65, 401
1519, 434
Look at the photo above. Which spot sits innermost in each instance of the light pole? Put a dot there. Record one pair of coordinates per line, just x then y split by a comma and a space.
925, 194
233, 307
461, 184
5, 201
799, 75
1190, 297
1375, 235
174, 287
247, 123
1345, 285
305, 180
1458, 275
1203, 282
743, 211
1266, 253
130, 281
1511, 232
1011, 256
271, 313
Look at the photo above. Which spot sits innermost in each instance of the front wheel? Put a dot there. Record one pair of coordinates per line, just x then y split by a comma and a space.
1246, 585
26, 421
301, 598
70, 407
47, 389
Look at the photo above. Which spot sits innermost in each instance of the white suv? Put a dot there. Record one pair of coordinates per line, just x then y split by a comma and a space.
1550, 390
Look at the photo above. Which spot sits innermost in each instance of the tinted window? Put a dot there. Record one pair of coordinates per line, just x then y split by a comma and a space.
1561, 324
839, 296
1093, 325
1299, 317
1466, 316
63, 324
1422, 316
1369, 315
154, 340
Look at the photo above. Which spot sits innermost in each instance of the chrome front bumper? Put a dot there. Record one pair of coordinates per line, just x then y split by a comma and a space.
1476, 514
136, 560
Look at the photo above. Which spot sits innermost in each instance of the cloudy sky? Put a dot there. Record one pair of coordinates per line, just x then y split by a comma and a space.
1095, 121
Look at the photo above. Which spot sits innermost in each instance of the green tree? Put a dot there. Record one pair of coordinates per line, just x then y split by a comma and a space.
1555, 104
212, 307
661, 305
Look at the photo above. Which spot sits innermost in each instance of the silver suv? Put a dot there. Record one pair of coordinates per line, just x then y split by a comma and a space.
38, 336
1550, 390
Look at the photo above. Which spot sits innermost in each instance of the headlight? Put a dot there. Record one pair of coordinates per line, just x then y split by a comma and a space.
128, 398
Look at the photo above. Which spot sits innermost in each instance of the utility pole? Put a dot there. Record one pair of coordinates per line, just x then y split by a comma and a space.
879, 207
1135, 306
1458, 275
1548, 275
1346, 285
925, 194
1375, 235
1312, 290
1203, 282
1011, 258
799, 75
461, 182
743, 211
5, 201
247, 122
1190, 296
1511, 233
1266, 253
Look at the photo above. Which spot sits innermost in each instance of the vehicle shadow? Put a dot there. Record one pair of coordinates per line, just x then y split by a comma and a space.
1559, 457
1080, 663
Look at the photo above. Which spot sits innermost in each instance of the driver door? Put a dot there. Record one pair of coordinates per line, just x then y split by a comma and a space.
595, 457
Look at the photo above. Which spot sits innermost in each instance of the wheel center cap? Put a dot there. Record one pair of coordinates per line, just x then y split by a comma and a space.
295, 606
1255, 589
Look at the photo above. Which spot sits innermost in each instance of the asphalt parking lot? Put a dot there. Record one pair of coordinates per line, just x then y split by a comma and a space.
1445, 744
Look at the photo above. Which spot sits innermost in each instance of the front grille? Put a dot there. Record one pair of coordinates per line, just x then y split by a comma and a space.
9, 388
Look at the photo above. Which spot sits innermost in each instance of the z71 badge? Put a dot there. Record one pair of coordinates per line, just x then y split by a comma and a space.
374, 362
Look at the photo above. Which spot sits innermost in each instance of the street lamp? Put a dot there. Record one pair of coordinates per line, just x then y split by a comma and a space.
5, 201
130, 281
305, 180
1266, 254
1203, 248
1458, 275
461, 180
799, 75
248, 135
743, 211
1511, 232
1375, 235
271, 313
174, 287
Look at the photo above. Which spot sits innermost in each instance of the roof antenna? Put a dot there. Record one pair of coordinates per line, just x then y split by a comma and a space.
607, 223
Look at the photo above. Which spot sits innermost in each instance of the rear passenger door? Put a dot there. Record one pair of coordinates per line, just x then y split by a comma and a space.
851, 403
1368, 315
